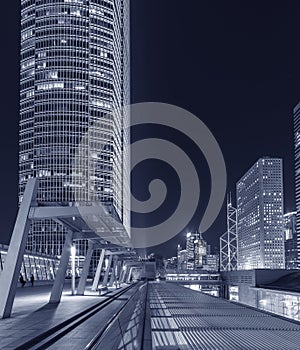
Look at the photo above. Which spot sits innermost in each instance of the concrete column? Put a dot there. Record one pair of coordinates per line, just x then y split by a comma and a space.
113, 272
98, 271
13, 261
105, 279
58, 285
85, 270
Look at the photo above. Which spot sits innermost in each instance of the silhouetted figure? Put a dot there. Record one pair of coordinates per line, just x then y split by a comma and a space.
22, 281
32, 280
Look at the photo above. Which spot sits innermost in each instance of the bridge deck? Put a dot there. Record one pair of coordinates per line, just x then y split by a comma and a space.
32, 315
184, 319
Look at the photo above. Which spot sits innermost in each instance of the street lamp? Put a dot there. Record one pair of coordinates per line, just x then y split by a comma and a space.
73, 255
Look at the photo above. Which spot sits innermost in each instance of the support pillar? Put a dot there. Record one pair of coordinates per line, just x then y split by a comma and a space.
58, 285
129, 274
98, 271
105, 279
85, 270
13, 261
113, 272
123, 273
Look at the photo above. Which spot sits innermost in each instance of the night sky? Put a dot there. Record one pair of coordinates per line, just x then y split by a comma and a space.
235, 65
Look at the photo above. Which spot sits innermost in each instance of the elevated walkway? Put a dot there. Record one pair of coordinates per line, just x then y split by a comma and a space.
33, 315
184, 319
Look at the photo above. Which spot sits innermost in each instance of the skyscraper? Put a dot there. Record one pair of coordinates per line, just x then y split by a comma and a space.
260, 216
297, 171
74, 73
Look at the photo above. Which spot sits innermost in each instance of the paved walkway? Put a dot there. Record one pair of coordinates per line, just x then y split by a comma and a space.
32, 315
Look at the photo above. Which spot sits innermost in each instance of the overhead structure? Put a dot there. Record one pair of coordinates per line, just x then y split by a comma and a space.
105, 233
229, 240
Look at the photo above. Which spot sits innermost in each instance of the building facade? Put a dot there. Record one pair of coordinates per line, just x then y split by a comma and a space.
74, 80
260, 216
297, 171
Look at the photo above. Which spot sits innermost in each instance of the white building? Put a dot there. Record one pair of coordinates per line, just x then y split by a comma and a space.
260, 216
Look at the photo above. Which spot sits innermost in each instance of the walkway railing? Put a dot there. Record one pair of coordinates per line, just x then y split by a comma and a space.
128, 328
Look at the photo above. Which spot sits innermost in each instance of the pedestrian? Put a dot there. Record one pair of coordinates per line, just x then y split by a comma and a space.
32, 280
22, 281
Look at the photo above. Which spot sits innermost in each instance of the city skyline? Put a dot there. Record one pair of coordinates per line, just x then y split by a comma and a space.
255, 111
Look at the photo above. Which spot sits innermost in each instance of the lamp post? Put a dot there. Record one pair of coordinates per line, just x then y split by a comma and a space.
73, 255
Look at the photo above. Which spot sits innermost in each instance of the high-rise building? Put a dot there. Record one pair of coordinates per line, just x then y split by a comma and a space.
290, 240
74, 74
181, 259
260, 216
195, 250
297, 172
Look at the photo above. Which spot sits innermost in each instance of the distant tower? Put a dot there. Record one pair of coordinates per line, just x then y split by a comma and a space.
195, 250
228, 241
260, 216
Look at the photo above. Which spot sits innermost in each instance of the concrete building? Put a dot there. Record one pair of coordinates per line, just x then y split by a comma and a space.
276, 291
260, 216
74, 73
211, 262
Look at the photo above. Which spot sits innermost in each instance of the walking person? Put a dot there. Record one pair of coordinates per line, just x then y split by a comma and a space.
32, 280
22, 281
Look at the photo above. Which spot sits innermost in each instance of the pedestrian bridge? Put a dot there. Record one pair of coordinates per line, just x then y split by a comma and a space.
141, 315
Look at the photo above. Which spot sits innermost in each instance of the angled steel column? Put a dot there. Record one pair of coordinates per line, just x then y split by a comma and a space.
98, 271
118, 272
61, 272
113, 272
123, 273
85, 270
13, 261
105, 279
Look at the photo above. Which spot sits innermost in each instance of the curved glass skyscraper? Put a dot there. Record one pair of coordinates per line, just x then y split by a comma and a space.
74, 73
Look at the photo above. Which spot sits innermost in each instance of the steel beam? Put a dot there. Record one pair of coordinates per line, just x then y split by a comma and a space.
58, 285
98, 271
85, 270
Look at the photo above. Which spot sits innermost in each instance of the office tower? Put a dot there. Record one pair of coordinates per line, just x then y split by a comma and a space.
211, 262
181, 259
290, 240
260, 216
74, 73
195, 250
297, 171
200, 251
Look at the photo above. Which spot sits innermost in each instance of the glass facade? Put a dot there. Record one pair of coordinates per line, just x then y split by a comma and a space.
285, 304
43, 267
260, 216
74, 74
297, 171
